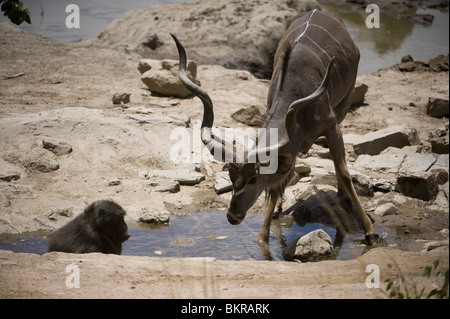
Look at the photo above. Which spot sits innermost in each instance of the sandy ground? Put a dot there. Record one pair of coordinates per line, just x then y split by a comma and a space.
64, 92
108, 276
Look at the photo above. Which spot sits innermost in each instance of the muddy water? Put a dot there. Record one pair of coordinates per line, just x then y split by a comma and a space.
208, 234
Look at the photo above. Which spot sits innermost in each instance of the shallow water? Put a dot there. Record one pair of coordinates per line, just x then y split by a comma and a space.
208, 234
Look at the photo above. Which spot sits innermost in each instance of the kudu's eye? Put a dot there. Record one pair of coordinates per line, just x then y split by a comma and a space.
252, 180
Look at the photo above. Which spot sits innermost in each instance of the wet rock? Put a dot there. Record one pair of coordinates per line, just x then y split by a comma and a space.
437, 107
222, 183
421, 185
150, 216
183, 176
58, 148
386, 209
250, 116
374, 143
43, 161
9, 172
314, 246
120, 98
161, 77
359, 94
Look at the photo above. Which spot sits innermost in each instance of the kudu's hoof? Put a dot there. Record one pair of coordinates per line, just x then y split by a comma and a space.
372, 239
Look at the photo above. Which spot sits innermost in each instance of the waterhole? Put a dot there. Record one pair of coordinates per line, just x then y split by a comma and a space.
208, 234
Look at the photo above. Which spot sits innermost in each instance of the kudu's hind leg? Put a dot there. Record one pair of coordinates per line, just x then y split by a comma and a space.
336, 145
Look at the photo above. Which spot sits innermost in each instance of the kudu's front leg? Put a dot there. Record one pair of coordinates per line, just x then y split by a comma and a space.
263, 236
336, 144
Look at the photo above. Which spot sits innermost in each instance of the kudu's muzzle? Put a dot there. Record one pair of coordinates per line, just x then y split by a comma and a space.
234, 219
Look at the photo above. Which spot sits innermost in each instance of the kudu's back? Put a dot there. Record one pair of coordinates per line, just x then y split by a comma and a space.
303, 55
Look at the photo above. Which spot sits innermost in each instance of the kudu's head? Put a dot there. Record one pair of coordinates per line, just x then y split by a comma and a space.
249, 175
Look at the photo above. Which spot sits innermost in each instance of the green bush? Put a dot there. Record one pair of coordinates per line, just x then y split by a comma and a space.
16, 11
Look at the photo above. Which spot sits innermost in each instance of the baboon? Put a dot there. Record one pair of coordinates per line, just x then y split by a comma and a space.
100, 228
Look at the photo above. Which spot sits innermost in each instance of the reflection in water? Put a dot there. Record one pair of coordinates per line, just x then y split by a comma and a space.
208, 234
395, 38
389, 37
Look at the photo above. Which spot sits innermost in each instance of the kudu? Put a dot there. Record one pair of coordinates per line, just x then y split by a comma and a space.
315, 51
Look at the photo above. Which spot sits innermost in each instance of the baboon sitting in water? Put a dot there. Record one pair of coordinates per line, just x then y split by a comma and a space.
100, 228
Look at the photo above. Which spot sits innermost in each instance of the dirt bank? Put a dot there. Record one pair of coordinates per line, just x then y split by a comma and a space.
108, 276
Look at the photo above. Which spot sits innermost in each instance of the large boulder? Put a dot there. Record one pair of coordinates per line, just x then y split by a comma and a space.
421, 185
235, 34
314, 246
161, 77
437, 107
374, 143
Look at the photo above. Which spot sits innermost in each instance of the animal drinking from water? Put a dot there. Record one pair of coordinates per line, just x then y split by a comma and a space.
314, 72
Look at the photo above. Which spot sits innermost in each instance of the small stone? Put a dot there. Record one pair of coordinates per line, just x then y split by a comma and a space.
58, 148
43, 161
386, 209
250, 116
359, 94
114, 182
302, 169
150, 216
435, 244
120, 98
183, 176
407, 58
